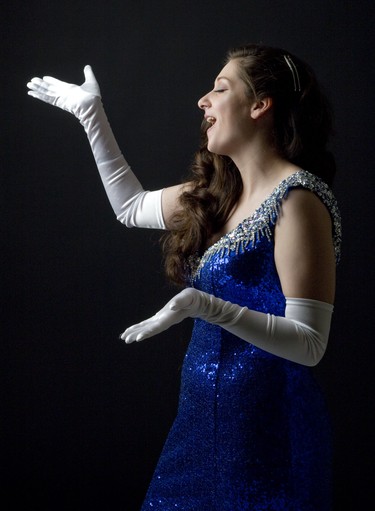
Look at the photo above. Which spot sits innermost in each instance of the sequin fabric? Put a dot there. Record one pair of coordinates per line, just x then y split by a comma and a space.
252, 431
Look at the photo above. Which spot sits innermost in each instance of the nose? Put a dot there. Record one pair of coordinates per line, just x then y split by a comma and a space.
204, 102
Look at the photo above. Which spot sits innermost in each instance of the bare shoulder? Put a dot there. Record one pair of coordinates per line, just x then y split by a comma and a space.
304, 252
304, 204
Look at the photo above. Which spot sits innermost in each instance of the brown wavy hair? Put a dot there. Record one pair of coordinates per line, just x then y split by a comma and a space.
301, 129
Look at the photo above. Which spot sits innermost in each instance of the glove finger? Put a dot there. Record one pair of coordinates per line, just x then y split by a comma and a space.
42, 97
145, 329
89, 74
36, 80
91, 85
38, 85
142, 324
54, 81
131, 332
32, 86
138, 335
43, 94
42, 87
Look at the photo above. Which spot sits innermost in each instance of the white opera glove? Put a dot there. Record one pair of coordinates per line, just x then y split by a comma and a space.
301, 336
132, 205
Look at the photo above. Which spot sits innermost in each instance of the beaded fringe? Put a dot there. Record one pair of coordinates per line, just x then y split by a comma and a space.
263, 220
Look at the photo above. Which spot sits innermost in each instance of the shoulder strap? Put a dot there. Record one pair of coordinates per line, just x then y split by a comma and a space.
308, 181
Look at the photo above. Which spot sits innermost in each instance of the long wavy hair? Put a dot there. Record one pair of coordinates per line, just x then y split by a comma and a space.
302, 124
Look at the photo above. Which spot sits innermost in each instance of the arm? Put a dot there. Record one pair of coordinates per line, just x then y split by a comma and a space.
132, 205
304, 252
302, 335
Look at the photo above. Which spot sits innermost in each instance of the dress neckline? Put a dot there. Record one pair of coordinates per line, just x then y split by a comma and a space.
252, 216
261, 221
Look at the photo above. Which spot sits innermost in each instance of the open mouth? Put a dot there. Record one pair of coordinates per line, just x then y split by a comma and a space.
211, 120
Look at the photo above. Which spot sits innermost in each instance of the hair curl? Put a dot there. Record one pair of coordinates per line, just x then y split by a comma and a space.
302, 124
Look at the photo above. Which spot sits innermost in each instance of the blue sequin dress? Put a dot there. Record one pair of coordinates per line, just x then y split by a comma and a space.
252, 430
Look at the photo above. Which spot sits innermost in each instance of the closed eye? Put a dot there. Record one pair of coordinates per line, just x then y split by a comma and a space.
220, 90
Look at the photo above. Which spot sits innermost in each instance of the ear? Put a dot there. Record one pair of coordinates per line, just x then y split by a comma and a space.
260, 107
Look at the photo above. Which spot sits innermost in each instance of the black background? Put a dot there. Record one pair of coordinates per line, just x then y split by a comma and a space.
84, 416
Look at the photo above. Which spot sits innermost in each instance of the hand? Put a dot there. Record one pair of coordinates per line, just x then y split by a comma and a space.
185, 304
75, 99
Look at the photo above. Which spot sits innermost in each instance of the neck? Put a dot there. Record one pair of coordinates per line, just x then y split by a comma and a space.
261, 167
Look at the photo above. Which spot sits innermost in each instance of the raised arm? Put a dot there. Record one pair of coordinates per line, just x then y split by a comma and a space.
133, 206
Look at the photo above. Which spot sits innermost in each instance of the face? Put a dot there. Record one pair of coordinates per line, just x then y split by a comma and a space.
227, 109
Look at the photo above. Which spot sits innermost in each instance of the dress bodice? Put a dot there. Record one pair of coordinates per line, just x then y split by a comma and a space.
240, 266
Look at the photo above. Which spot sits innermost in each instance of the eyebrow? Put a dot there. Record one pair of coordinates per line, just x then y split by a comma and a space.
222, 78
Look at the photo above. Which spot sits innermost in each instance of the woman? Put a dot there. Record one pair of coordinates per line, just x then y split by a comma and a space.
252, 431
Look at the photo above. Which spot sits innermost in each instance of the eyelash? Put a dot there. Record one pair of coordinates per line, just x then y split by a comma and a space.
220, 90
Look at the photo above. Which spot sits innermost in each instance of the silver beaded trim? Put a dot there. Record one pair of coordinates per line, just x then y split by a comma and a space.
261, 222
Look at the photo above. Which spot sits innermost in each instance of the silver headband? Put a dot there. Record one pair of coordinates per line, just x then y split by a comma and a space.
293, 68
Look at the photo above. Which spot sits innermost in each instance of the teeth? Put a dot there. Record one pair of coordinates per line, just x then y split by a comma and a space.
211, 120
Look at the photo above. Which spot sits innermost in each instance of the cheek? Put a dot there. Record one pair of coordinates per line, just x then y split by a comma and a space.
236, 111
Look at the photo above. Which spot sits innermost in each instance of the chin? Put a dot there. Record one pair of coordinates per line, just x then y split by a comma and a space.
215, 148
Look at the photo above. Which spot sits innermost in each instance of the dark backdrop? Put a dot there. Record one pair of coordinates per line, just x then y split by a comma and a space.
84, 416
